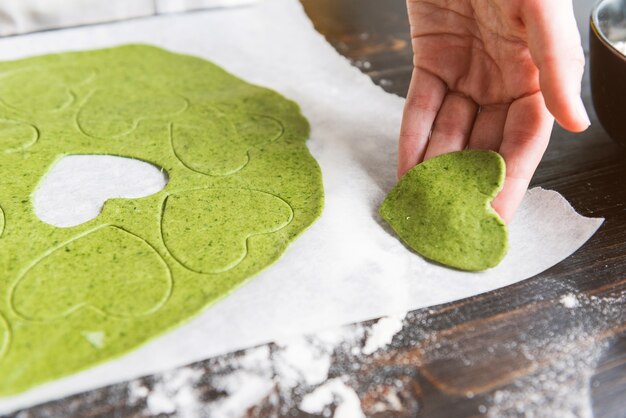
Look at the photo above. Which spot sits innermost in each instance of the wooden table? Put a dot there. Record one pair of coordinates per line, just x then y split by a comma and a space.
541, 347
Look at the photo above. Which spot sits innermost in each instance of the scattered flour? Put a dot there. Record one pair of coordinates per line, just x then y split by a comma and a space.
245, 389
382, 332
294, 372
174, 392
160, 403
569, 301
299, 362
563, 390
251, 381
137, 391
337, 392
302, 360
563, 387
95, 338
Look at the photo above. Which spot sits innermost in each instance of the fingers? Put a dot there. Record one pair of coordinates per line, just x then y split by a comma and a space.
488, 128
554, 44
452, 126
525, 138
425, 96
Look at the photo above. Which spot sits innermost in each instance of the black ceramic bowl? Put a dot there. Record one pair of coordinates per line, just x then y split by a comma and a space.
608, 66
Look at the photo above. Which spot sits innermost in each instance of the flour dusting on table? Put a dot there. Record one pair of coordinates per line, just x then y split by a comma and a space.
563, 388
333, 391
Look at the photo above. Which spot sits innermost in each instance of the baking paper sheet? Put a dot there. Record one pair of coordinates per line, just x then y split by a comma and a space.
347, 267
22, 16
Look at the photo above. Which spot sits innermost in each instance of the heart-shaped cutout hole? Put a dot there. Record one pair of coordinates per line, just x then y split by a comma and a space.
75, 189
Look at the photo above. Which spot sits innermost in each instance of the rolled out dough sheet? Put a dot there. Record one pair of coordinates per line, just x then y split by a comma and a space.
242, 185
347, 267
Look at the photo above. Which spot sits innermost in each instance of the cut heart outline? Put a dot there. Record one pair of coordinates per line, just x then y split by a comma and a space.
201, 258
59, 90
117, 122
19, 135
2, 222
225, 150
59, 299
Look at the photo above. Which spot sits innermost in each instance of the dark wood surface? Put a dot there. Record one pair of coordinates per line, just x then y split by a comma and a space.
550, 346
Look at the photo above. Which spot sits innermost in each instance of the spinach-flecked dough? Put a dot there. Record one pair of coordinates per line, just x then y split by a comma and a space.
242, 186
442, 209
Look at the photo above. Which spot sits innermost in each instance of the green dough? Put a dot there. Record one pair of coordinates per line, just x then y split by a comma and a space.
215, 247
46, 291
442, 209
16, 135
242, 186
4, 335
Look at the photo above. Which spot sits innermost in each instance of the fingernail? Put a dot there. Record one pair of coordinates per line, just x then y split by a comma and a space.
582, 112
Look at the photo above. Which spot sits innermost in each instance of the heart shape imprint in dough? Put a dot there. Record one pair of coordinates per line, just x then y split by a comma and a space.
219, 145
442, 209
215, 238
55, 84
108, 269
16, 135
116, 111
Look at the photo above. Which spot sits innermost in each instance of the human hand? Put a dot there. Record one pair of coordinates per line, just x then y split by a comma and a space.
492, 74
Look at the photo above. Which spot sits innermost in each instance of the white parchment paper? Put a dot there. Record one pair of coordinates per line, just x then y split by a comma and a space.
346, 267
23, 16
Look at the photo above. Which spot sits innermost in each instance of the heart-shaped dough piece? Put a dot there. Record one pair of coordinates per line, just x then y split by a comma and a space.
442, 209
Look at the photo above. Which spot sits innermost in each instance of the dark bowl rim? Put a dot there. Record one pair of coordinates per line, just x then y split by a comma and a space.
593, 21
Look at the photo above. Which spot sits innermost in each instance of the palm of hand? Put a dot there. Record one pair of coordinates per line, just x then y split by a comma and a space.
474, 49
477, 83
